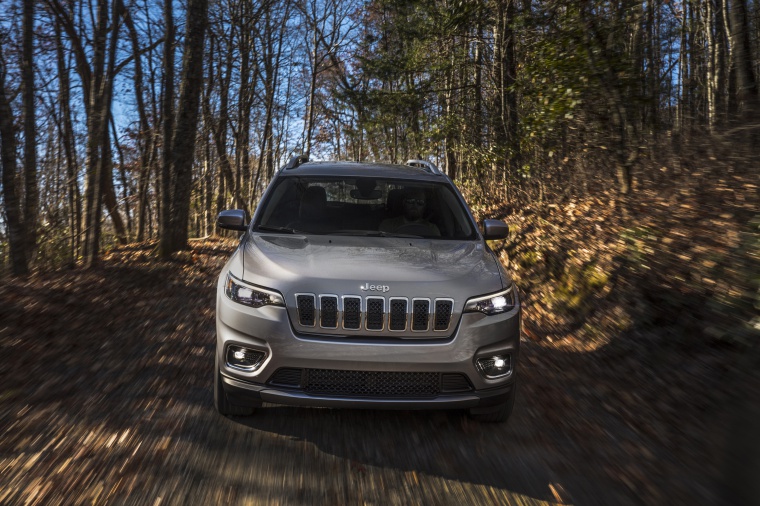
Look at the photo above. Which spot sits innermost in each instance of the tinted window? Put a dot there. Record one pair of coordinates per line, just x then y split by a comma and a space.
365, 206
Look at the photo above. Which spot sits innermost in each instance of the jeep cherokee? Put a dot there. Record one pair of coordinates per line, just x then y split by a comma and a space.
365, 285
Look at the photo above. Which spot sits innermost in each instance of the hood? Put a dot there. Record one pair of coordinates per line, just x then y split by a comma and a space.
401, 267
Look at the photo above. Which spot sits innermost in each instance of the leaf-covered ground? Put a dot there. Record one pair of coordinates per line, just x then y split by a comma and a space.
106, 375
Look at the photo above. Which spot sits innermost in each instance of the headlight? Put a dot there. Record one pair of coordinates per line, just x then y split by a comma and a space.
495, 303
250, 295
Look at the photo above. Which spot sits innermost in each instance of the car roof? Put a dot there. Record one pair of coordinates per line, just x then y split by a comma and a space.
358, 169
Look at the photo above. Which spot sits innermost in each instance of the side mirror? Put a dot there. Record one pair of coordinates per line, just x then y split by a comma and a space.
233, 219
495, 229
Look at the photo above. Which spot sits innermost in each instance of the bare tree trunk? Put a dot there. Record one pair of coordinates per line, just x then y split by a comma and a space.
144, 139
16, 235
165, 243
245, 101
97, 78
712, 66
721, 63
208, 185
505, 62
477, 123
183, 144
31, 192
448, 97
72, 171
653, 69
109, 192
730, 96
271, 66
96, 131
683, 76
747, 90
207, 138
312, 94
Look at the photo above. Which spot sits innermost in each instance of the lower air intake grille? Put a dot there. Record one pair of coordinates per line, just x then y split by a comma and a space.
454, 382
286, 377
372, 383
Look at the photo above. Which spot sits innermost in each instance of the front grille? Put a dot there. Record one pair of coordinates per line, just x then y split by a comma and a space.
443, 309
374, 313
397, 319
372, 383
352, 312
305, 310
421, 314
329, 311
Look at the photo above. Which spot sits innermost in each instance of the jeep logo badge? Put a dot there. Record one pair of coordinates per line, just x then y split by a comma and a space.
374, 288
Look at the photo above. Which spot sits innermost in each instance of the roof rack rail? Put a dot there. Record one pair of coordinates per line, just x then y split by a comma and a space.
424, 164
295, 161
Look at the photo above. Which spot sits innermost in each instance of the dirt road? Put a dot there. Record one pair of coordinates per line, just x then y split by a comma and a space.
106, 398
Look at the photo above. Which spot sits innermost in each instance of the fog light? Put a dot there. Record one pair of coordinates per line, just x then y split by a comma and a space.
244, 359
494, 367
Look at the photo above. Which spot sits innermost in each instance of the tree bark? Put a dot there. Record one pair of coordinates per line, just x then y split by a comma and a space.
16, 235
747, 90
97, 78
31, 192
72, 171
165, 244
144, 138
96, 131
183, 143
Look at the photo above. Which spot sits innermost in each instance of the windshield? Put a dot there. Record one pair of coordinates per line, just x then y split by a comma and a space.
364, 206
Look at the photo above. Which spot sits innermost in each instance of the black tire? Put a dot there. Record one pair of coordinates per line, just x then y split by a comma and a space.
221, 402
497, 414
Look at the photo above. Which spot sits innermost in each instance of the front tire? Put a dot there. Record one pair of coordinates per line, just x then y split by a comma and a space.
221, 402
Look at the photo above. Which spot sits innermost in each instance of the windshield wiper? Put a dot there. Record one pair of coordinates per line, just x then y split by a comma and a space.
373, 233
405, 236
284, 230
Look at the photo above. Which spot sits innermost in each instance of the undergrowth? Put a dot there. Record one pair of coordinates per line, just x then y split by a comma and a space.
680, 257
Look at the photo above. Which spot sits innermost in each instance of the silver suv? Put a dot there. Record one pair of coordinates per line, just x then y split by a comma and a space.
366, 286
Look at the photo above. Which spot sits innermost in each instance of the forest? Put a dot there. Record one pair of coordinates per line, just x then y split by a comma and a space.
132, 120
618, 139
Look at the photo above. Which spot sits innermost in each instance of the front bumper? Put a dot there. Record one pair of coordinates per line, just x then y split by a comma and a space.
244, 393
268, 329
